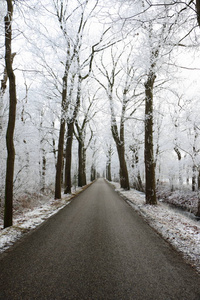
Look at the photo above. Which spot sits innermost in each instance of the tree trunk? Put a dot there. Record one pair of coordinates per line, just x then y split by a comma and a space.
60, 158
93, 173
59, 165
198, 11
124, 179
2, 91
8, 212
149, 153
80, 136
179, 160
70, 131
135, 162
108, 165
108, 171
68, 156
43, 174
84, 166
139, 183
54, 145
194, 178
198, 181
80, 164
198, 208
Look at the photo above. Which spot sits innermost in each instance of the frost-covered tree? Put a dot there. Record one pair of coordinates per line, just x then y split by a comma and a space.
110, 89
160, 34
86, 115
78, 63
119, 79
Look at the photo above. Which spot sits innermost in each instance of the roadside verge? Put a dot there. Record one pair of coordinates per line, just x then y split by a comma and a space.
30, 220
180, 231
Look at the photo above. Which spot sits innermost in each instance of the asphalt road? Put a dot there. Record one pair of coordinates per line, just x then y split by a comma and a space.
97, 247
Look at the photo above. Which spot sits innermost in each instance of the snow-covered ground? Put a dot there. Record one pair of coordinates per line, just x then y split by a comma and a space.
182, 232
31, 218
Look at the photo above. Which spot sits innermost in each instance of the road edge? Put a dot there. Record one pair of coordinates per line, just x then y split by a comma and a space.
21, 233
187, 259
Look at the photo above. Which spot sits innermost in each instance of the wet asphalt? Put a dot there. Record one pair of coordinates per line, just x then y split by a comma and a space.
97, 247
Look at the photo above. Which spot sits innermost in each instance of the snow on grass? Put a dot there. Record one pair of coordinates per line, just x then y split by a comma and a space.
180, 231
8, 236
24, 222
183, 198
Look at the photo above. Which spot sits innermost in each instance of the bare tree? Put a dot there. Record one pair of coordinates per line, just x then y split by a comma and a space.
149, 153
8, 213
72, 53
119, 88
80, 132
75, 106
62, 17
69, 141
75, 66
155, 45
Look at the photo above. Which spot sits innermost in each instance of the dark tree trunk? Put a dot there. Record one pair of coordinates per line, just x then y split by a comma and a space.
68, 156
54, 145
59, 165
60, 158
149, 153
198, 11
43, 175
198, 179
93, 173
198, 19
80, 164
198, 208
108, 171
8, 212
124, 178
194, 178
70, 132
118, 135
84, 166
80, 136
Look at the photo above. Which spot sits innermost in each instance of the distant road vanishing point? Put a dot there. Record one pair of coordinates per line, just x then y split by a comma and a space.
97, 247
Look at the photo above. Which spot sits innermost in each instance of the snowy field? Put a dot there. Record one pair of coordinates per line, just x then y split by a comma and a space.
180, 231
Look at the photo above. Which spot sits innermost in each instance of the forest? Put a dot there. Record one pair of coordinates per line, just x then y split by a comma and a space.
93, 88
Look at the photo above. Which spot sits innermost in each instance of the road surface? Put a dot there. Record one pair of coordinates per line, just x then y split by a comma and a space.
97, 247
